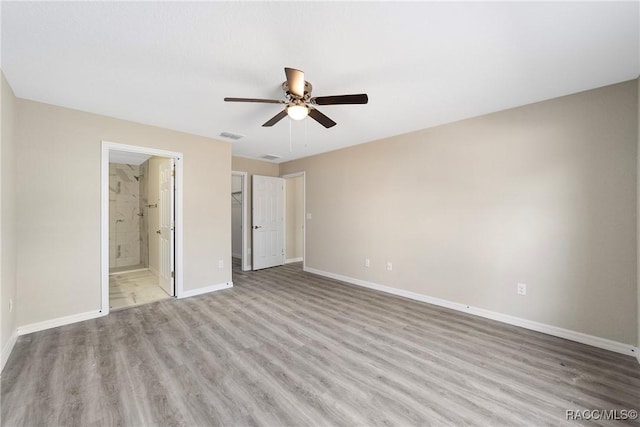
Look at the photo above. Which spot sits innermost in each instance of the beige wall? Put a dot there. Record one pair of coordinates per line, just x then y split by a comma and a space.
58, 206
294, 217
253, 167
543, 194
7, 216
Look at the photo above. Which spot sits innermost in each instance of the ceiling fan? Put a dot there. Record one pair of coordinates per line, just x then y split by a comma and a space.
300, 103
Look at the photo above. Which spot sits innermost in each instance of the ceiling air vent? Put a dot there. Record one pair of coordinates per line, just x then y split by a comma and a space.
270, 157
230, 135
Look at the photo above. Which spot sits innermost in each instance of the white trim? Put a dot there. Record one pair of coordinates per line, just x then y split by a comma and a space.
244, 256
580, 337
290, 260
7, 349
206, 290
129, 271
303, 174
104, 220
60, 321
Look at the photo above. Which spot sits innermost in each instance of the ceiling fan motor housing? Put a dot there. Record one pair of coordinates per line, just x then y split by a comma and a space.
299, 101
307, 91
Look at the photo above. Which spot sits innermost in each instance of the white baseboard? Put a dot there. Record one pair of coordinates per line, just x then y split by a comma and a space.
205, 290
290, 260
7, 349
60, 321
129, 271
580, 337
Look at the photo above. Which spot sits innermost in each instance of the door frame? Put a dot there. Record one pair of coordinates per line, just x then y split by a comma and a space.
245, 262
108, 146
303, 174
170, 226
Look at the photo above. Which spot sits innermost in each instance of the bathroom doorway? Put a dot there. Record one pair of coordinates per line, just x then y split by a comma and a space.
141, 234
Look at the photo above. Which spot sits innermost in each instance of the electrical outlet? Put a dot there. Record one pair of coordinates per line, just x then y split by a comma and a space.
10, 305
522, 289
367, 263
389, 266
309, 215
220, 264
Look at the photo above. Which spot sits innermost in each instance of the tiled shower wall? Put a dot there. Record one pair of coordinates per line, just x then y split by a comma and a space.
144, 219
127, 234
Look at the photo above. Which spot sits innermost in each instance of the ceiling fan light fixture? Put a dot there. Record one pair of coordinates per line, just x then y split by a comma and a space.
298, 101
298, 112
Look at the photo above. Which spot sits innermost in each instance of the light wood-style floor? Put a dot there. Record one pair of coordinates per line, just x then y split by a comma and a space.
285, 348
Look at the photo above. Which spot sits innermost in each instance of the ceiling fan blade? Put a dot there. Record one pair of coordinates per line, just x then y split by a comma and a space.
360, 98
321, 118
275, 119
295, 80
266, 101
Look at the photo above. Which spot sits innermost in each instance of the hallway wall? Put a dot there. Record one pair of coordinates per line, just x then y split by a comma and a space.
294, 218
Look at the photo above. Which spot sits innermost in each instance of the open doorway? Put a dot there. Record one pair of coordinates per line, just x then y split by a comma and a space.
294, 217
239, 227
141, 245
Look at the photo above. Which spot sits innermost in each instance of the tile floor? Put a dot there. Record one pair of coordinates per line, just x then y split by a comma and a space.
129, 289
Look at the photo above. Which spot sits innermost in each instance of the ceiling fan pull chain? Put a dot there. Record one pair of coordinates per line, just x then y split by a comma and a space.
290, 141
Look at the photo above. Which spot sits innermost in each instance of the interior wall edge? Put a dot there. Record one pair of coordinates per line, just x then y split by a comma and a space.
580, 337
7, 349
8, 219
638, 216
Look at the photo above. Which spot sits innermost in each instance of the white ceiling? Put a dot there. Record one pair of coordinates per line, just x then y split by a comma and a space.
171, 64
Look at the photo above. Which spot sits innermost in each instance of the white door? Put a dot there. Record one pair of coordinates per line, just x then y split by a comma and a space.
268, 222
167, 226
